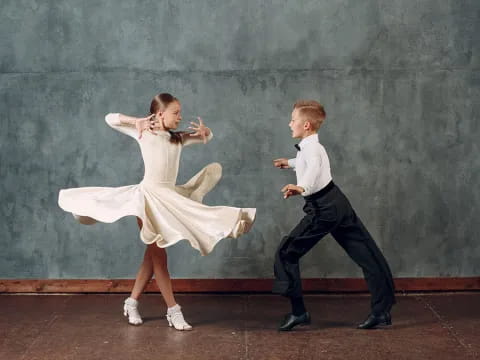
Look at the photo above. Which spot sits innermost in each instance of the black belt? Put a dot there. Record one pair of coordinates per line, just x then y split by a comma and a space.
321, 192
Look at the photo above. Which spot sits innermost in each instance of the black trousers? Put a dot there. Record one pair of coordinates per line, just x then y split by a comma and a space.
329, 211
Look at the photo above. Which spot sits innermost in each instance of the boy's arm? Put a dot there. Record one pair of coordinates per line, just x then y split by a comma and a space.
284, 163
314, 165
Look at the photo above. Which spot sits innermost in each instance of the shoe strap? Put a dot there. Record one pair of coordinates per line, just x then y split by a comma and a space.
177, 317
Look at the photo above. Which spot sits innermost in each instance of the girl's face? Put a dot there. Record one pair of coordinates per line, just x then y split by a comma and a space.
172, 115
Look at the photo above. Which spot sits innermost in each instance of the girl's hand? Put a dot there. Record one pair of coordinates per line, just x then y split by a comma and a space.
147, 123
291, 190
200, 129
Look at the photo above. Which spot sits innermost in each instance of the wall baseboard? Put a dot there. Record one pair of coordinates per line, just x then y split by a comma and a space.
230, 285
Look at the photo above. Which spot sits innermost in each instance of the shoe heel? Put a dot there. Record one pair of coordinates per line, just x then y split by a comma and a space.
388, 319
308, 320
169, 321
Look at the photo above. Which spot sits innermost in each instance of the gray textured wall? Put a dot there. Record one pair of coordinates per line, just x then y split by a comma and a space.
400, 81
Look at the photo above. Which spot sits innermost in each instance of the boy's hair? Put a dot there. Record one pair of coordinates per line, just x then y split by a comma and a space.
311, 111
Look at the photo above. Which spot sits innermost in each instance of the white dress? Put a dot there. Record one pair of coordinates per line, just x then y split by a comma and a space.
169, 213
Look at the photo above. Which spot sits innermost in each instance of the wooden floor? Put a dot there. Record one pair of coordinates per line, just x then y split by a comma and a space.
427, 326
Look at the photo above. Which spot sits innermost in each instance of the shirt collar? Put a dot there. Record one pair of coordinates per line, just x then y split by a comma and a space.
309, 139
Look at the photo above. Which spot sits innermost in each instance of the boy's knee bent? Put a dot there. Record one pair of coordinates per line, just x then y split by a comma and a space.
284, 253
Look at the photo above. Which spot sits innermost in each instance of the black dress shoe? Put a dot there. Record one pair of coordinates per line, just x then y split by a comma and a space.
292, 320
375, 320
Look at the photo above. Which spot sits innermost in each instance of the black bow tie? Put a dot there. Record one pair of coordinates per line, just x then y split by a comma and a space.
297, 147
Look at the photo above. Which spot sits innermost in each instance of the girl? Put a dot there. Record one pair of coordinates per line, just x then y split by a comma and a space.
165, 213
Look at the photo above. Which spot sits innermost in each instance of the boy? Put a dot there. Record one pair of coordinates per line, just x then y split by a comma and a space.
327, 211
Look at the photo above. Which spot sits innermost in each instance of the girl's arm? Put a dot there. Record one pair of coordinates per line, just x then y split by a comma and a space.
201, 134
189, 139
130, 125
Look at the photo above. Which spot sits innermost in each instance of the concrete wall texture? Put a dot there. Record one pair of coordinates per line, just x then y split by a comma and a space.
400, 81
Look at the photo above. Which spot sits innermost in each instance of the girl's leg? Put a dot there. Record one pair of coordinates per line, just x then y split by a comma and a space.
162, 276
145, 272
174, 313
201, 183
144, 275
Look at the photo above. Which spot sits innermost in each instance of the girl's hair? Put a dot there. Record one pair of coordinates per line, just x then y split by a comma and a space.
159, 103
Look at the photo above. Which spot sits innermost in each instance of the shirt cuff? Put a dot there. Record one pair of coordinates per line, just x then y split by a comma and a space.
306, 190
292, 163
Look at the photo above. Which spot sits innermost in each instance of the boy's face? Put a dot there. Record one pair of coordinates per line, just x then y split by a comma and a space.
297, 125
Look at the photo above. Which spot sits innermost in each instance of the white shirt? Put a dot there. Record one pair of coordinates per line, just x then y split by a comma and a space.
311, 165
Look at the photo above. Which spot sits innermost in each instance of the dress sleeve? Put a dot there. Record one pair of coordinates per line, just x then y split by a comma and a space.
113, 121
189, 141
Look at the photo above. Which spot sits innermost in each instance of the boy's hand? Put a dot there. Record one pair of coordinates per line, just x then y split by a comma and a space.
290, 190
281, 163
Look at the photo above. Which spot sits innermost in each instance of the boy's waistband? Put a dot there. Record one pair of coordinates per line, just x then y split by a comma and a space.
321, 192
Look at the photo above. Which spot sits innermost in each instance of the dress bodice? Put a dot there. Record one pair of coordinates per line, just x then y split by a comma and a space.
161, 157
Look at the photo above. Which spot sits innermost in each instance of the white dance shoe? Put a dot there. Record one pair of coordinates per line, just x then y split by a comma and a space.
175, 318
130, 310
